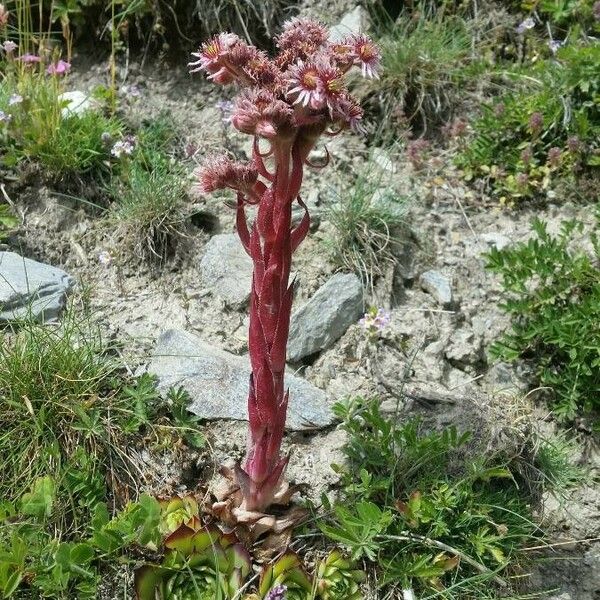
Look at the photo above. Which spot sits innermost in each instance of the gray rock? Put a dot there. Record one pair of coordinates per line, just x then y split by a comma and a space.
356, 21
326, 316
496, 240
217, 382
31, 289
438, 285
226, 269
76, 103
464, 348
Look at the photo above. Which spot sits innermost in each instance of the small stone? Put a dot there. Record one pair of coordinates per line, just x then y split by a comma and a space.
464, 349
326, 316
384, 160
354, 22
31, 289
226, 269
217, 382
496, 240
76, 103
438, 285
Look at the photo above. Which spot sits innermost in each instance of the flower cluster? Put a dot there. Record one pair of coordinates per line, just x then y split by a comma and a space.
303, 86
375, 320
124, 147
61, 67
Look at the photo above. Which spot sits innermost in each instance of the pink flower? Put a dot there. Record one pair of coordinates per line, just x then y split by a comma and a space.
332, 86
305, 85
350, 113
60, 68
299, 32
212, 58
367, 56
29, 59
536, 122
554, 155
261, 113
9, 46
221, 173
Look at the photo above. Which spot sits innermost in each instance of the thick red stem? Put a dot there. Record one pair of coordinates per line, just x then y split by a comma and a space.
270, 243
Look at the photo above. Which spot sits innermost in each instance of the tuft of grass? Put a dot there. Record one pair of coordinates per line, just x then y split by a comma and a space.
365, 220
149, 208
423, 62
64, 412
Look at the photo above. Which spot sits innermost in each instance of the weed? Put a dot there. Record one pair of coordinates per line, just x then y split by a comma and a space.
431, 520
365, 221
553, 297
545, 129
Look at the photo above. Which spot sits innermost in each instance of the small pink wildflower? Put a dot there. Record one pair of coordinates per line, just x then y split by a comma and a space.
574, 144
126, 146
62, 67
527, 156
9, 46
367, 56
536, 122
554, 155
528, 23
105, 258
375, 320
29, 59
522, 180
212, 58
279, 592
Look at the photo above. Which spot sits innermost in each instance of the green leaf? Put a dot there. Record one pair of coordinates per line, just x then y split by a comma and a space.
39, 502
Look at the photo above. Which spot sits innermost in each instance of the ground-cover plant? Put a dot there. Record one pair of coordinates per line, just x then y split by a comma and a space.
38, 127
287, 104
67, 411
366, 219
546, 129
426, 518
552, 292
149, 208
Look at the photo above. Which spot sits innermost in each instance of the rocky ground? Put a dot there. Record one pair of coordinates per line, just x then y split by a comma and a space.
187, 321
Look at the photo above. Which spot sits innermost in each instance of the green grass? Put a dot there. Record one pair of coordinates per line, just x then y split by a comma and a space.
365, 225
423, 62
66, 412
149, 208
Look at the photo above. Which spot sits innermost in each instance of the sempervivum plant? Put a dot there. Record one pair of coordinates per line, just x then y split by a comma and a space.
200, 563
285, 579
286, 103
338, 578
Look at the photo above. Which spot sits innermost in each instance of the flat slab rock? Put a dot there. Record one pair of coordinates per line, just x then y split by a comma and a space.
326, 316
31, 289
226, 269
217, 382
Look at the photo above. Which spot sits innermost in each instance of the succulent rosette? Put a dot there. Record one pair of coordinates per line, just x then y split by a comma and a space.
176, 511
338, 578
200, 563
285, 579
